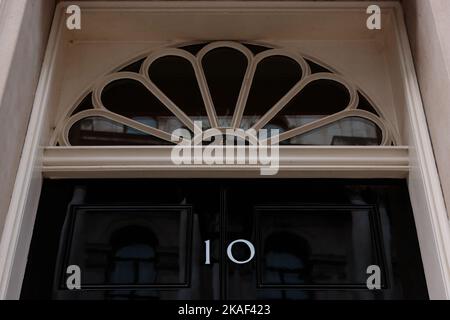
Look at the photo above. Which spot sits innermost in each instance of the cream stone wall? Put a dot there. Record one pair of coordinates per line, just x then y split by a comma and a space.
24, 28
428, 23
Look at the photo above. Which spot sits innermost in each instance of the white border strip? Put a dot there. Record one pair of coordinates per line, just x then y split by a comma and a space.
295, 162
30, 163
435, 240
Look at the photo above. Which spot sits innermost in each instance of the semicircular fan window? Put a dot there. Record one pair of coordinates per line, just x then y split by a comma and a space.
224, 85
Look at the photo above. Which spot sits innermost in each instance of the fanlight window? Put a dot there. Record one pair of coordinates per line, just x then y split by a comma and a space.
224, 85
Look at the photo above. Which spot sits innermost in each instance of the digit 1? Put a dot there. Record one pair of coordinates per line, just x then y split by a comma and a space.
208, 252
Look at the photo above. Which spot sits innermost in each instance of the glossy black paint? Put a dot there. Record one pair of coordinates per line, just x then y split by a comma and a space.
145, 239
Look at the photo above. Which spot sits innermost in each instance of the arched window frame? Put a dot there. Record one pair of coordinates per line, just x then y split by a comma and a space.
61, 133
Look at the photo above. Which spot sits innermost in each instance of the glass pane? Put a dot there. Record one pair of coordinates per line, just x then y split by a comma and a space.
274, 77
175, 76
353, 131
255, 48
225, 70
130, 247
131, 99
364, 104
98, 131
318, 99
85, 104
194, 48
313, 247
316, 68
133, 67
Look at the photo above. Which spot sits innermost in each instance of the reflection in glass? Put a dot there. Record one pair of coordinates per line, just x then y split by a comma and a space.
98, 131
134, 256
305, 247
224, 71
176, 78
131, 99
349, 131
274, 77
85, 104
286, 259
194, 48
133, 67
316, 67
318, 99
144, 247
256, 48
364, 104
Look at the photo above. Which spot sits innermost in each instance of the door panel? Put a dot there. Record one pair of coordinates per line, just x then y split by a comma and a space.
315, 239
145, 239
132, 240
128, 247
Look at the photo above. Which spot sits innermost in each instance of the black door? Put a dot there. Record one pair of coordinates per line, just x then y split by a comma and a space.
225, 239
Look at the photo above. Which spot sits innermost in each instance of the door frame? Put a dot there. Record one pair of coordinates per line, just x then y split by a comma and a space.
423, 180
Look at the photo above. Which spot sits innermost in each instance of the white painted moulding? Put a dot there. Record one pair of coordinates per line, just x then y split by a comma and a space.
319, 162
